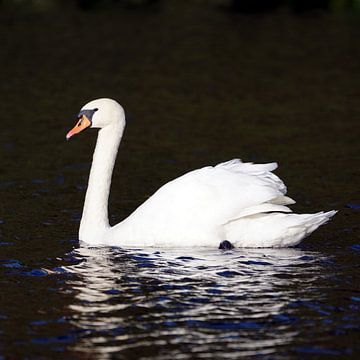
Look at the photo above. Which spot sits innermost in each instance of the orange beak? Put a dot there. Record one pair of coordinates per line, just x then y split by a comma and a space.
81, 125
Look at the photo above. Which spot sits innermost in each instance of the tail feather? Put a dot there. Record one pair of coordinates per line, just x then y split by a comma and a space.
312, 221
307, 226
274, 229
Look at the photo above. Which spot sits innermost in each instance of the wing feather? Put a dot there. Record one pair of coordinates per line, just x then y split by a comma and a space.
214, 195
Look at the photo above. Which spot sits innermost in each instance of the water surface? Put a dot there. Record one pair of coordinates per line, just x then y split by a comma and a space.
200, 85
183, 304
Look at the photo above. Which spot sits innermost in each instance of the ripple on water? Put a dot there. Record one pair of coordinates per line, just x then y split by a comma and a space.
214, 304
11, 263
36, 273
353, 206
355, 247
205, 301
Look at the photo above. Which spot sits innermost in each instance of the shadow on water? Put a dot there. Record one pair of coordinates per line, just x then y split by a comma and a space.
213, 303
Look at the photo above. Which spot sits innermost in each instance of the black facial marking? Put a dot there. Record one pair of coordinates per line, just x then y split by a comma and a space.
226, 245
88, 113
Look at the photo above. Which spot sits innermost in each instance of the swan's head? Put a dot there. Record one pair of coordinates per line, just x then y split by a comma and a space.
98, 113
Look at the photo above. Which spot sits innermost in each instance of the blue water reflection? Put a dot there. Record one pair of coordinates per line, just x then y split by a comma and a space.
213, 303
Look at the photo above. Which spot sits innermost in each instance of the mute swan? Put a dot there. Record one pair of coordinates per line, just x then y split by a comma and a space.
242, 203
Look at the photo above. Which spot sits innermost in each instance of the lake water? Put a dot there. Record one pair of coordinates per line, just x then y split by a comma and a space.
200, 85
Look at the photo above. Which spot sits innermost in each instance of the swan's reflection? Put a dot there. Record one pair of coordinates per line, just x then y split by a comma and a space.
173, 304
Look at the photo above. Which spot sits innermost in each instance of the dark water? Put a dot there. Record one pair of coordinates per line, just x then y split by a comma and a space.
200, 86
181, 304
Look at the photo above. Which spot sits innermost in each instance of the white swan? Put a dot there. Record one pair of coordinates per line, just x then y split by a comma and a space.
242, 203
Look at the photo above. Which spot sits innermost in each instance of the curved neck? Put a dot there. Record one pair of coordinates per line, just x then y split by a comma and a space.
95, 212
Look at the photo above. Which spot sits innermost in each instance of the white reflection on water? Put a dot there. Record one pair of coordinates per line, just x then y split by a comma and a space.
168, 303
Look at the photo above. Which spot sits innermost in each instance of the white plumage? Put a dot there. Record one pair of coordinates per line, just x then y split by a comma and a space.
243, 203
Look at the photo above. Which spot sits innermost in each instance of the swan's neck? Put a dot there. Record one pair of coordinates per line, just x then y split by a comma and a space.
95, 220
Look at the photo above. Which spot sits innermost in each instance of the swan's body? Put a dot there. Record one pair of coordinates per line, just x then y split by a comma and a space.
243, 203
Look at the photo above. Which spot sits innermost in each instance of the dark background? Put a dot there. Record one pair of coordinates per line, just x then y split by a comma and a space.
201, 82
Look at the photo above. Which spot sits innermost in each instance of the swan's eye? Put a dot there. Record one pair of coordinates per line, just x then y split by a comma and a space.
96, 109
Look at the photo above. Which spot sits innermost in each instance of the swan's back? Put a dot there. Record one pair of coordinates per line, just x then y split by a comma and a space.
201, 207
